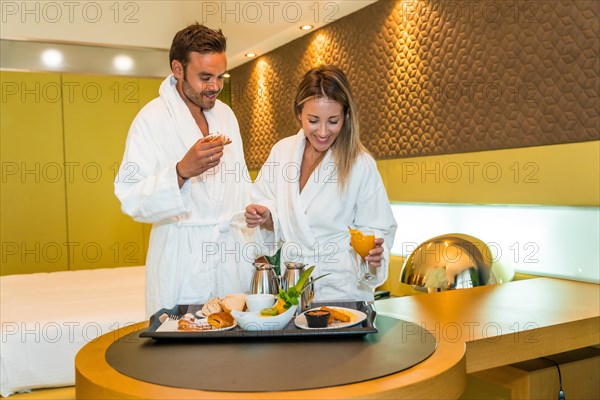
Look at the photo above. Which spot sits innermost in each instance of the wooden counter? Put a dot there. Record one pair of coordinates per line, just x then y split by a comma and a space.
477, 329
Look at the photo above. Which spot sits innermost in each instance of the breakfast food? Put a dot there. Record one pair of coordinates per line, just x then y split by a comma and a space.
214, 136
339, 314
189, 323
212, 306
317, 318
235, 302
290, 297
269, 312
220, 320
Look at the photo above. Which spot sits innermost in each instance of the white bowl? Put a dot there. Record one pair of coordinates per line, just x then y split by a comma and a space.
253, 321
257, 302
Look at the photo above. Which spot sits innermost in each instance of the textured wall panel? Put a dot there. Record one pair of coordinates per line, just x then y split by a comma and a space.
437, 77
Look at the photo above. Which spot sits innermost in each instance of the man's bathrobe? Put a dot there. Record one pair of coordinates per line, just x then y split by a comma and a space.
195, 251
313, 224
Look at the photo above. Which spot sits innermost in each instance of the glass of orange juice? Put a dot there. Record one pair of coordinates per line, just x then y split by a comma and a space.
362, 242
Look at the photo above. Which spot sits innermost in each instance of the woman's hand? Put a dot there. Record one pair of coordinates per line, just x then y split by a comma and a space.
374, 257
257, 215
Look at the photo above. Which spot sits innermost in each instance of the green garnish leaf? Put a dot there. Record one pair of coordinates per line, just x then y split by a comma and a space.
292, 295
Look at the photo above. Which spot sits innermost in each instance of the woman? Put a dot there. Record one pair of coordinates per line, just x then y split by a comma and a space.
319, 182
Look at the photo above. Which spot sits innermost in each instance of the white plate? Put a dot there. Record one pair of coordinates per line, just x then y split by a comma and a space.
300, 320
171, 326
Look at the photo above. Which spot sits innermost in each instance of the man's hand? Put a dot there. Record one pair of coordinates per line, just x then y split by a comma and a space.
257, 215
201, 157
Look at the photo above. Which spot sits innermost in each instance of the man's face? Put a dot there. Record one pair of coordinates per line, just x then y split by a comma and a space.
202, 80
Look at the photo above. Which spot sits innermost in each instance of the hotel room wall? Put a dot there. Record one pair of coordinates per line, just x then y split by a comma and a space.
63, 137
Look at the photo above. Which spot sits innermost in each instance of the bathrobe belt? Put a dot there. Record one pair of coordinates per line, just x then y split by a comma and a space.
222, 224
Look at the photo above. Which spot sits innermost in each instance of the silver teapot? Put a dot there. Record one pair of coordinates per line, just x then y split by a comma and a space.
264, 280
293, 270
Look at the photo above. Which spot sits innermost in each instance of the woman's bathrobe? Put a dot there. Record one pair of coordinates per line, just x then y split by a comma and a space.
195, 251
312, 225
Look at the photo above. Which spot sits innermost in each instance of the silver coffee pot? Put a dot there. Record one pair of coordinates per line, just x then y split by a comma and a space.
264, 280
293, 270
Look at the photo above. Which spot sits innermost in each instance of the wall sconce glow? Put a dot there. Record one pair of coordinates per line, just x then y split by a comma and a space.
52, 58
306, 27
123, 63
226, 75
250, 55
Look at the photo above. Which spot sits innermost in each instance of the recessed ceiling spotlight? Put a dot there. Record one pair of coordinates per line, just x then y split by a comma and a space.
306, 27
52, 58
123, 63
250, 55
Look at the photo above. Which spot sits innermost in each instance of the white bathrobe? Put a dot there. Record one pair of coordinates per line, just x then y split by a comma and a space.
313, 224
195, 251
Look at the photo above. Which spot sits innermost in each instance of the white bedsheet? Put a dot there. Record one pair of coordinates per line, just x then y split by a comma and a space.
47, 317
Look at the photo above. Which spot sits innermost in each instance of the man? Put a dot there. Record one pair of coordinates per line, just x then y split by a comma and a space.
189, 186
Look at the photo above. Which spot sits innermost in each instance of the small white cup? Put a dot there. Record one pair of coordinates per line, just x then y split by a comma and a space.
256, 302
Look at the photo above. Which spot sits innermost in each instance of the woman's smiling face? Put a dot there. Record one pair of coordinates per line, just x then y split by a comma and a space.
322, 120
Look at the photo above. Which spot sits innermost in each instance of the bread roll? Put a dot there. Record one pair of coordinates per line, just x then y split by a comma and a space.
212, 306
220, 320
235, 302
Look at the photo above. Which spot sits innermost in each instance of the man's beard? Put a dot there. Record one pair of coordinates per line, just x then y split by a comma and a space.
196, 97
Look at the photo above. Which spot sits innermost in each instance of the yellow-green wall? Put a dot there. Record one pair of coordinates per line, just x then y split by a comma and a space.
33, 202
63, 137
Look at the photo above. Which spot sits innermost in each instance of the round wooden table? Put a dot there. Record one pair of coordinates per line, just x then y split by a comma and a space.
442, 376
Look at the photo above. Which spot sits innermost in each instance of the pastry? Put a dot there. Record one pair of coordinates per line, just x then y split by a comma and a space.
340, 315
220, 320
226, 140
212, 306
235, 302
189, 323
214, 136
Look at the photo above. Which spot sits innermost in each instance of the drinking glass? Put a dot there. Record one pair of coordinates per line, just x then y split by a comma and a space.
362, 242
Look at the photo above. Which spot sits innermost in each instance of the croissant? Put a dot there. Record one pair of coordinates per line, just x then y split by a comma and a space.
220, 320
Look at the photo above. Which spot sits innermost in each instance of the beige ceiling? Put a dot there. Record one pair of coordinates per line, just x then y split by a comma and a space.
250, 26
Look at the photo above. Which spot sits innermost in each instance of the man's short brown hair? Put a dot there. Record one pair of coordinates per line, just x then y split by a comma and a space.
198, 38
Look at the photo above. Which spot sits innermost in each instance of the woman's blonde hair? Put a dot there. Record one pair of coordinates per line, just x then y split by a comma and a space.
329, 81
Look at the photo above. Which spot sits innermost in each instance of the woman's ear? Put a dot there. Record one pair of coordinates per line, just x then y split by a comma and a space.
177, 69
298, 113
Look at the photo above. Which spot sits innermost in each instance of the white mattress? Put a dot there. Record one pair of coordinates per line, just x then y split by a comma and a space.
47, 317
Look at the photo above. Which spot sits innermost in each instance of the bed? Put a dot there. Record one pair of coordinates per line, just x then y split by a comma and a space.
47, 317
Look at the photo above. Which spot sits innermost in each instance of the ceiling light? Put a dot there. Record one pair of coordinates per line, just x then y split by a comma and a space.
250, 55
52, 58
226, 76
123, 63
306, 27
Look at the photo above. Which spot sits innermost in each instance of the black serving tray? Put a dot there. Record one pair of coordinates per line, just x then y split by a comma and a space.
290, 331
